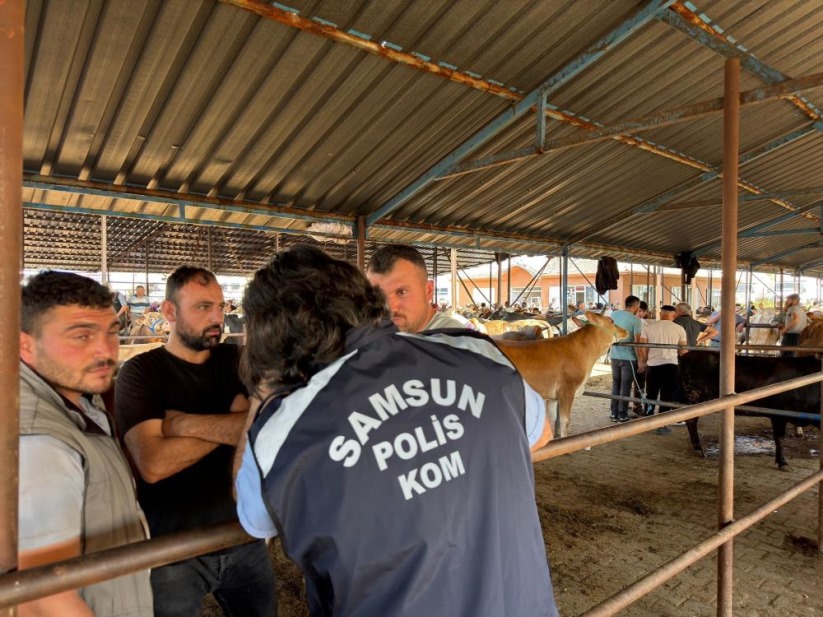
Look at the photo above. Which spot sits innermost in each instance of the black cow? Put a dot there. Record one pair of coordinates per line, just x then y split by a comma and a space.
699, 376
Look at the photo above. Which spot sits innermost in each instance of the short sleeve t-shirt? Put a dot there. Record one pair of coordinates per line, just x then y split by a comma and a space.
800, 316
631, 324
156, 381
663, 332
692, 327
139, 305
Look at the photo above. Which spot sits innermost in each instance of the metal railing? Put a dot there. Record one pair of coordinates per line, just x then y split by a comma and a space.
26, 585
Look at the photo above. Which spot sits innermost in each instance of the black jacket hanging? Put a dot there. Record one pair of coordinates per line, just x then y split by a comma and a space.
607, 275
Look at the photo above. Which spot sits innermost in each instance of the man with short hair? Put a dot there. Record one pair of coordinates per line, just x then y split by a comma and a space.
395, 467
138, 303
660, 363
181, 408
796, 320
400, 272
623, 360
76, 490
696, 331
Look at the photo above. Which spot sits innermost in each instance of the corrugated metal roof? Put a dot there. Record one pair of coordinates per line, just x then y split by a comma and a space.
208, 113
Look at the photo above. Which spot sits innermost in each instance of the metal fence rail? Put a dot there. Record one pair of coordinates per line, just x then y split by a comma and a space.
26, 585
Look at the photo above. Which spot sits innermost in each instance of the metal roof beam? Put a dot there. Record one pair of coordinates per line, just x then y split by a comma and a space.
168, 219
786, 253
654, 205
784, 232
810, 264
571, 70
100, 189
644, 123
657, 203
688, 205
363, 42
748, 233
698, 26
689, 112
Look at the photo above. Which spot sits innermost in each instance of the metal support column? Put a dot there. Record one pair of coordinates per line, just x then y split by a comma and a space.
434, 266
746, 311
361, 243
454, 279
564, 290
104, 249
710, 291
658, 290
210, 265
731, 143
498, 259
509, 281
11, 233
820, 486
491, 289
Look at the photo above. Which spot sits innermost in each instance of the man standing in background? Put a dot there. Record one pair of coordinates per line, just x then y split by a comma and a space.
660, 364
139, 303
796, 320
623, 360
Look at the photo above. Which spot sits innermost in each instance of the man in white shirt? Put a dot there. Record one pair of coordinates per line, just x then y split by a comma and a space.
796, 320
661, 363
400, 272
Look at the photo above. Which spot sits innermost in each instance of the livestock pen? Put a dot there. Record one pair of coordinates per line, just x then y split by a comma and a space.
418, 123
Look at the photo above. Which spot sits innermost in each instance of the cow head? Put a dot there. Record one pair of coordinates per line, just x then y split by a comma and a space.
606, 323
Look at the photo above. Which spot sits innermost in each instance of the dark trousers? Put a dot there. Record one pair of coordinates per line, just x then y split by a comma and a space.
622, 377
241, 579
790, 339
661, 382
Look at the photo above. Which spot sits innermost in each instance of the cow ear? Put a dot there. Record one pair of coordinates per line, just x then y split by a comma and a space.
579, 323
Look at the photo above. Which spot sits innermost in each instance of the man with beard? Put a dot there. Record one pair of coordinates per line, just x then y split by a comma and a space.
400, 272
181, 409
76, 491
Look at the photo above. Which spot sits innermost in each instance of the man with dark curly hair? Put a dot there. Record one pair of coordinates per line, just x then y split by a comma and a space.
76, 490
396, 467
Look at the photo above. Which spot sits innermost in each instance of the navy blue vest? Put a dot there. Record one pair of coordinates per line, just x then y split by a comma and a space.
400, 480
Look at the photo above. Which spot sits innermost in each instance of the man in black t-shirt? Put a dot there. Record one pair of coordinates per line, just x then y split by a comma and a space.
696, 331
181, 411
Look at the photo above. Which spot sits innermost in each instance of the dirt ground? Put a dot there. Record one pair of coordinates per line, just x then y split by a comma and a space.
612, 514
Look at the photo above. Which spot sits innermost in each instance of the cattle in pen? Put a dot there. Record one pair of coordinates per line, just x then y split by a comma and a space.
557, 368
698, 381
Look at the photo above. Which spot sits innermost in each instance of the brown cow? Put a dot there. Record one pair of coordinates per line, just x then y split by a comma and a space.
557, 368
812, 335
